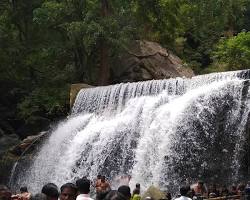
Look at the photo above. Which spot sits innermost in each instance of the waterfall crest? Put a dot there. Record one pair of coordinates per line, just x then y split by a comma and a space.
160, 132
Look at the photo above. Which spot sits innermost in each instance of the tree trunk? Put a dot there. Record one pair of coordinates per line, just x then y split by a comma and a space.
79, 58
104, 71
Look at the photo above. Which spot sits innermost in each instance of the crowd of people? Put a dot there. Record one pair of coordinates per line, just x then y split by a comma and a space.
81, 190
213, 191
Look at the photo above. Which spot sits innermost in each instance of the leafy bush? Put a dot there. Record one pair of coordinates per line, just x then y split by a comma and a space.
234, 52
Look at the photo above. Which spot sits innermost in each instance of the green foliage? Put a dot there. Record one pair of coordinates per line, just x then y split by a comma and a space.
157, 20
234, 52
82, 27
45, 45
204, 23
33, 73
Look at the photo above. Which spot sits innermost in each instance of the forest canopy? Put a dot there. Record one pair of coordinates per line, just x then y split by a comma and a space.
46, 45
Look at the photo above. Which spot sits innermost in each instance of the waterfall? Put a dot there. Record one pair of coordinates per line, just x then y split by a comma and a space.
161, 132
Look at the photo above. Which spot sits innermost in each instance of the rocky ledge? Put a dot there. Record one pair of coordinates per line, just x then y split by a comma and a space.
17, 150
145, 60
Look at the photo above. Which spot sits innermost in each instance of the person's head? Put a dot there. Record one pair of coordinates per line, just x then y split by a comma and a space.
38, 196
115, 196
83, 186
51, 191
110, 194
103, 179
99, 176
118, 196
125, 191
23, 189
184, 190
138, 185
5, 193
136, 191
68, 191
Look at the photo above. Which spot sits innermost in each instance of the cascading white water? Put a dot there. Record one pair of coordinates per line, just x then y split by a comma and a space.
160, 132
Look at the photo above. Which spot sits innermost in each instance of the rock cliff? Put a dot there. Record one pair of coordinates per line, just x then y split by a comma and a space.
145, 60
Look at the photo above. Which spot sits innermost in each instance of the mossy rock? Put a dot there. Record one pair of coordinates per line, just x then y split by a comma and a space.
74, 89
6, 163
154, 193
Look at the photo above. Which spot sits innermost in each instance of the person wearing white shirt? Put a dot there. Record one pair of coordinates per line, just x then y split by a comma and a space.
83, 186
184, 193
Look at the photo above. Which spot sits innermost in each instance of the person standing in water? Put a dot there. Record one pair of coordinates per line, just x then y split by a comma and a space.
97, 182
136, 192
83, 186
184, 193
24, 194
102, 188
68, 191
200, 189
51, 191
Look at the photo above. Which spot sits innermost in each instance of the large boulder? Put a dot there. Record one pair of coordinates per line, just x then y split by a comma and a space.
146, 60
27, 143
154, 192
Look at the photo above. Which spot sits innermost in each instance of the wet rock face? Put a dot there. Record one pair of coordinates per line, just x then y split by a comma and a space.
26, 144
12, 144
7, 141
12, 149
148, 60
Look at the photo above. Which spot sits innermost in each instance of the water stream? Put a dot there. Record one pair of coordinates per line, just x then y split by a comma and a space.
161, 132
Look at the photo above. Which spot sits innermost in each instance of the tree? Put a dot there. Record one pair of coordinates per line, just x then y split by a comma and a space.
204, 23
90, 29
157, 20
34, 88
234, 53
45, 45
